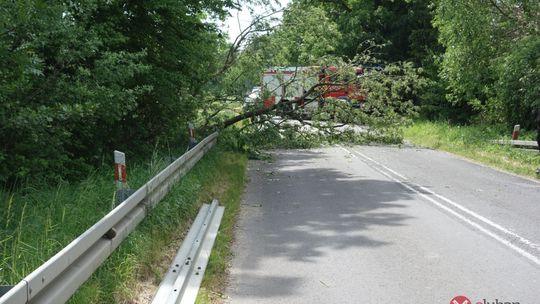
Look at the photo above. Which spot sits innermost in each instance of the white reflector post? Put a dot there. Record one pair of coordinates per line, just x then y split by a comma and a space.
120, 174
191, 130
515, 133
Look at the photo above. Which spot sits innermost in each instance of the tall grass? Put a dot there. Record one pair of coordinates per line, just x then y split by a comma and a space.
35, 223
474, 142
229, 187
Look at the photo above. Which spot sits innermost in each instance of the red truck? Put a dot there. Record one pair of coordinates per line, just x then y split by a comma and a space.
291, 83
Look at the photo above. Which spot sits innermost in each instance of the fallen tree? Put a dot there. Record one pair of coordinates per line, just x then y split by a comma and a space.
389, 107
390, 88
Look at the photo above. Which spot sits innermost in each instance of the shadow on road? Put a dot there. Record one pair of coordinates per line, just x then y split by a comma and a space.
301, 208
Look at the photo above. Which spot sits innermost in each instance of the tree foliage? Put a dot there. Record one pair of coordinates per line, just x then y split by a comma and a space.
477, 55
402, 28
79, 79
517, 89
490, 56
308, 36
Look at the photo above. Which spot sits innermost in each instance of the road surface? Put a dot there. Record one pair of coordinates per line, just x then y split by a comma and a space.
371, 224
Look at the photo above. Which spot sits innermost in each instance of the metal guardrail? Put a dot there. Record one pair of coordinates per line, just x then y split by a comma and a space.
183, 279
517, 143
57, 279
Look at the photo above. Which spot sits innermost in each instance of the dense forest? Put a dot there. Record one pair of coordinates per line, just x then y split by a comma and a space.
80, 79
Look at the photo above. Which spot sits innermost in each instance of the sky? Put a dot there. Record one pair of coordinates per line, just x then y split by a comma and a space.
239, 20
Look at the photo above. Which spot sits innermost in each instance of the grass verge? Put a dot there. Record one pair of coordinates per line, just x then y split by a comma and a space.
473, 142
36, 223
229, 187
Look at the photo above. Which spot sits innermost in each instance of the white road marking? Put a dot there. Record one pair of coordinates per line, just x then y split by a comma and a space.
350, 153
390, 170
462, 208
505, 242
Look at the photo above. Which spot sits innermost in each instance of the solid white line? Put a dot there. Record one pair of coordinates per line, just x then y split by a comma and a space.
350, 153
371, 159
483, 219
464, 209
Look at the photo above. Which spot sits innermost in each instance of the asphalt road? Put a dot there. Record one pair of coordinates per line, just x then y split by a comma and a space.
385, 225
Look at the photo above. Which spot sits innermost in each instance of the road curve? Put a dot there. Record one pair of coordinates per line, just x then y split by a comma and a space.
385, 225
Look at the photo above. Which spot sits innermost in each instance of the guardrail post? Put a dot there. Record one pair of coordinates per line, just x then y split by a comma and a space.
515, 133
120, 177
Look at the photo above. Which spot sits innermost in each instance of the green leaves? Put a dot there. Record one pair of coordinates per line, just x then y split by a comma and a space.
80, 79
490, 56
517, 87
305, 35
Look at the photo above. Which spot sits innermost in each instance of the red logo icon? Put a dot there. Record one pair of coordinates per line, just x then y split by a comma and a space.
460, 300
